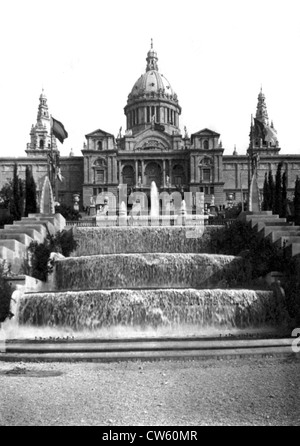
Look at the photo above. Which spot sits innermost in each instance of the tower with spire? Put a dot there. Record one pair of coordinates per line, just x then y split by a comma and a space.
263, 136
41, 140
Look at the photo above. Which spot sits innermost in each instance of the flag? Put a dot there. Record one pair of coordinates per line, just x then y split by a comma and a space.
58, 130
259, 129
59, 175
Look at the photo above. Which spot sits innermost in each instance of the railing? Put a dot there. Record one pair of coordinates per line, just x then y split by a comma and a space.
220, 221
146, 222
81, 224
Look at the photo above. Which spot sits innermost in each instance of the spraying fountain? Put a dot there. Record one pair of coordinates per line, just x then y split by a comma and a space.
154, 210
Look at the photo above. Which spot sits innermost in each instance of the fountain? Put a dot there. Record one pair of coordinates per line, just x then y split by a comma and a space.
146, 278
154, 210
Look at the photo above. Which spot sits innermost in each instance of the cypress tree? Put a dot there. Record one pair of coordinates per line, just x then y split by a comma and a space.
30, 193
277, 209
297, 201
14, 204
284, 195
266, 195
271, 190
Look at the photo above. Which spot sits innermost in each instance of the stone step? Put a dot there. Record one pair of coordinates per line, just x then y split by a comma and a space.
12, 235
59, 221
267, 229
275, 235
12, 258
293, 249
270, 220
260, 216
23, 229
40, 227
279, 223
18, 248
49, 225
286, 240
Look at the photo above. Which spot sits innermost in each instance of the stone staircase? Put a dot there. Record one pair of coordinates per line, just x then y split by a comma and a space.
276, 229
15, 238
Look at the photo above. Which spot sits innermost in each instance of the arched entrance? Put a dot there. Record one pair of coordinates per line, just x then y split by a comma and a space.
153, 173
128, 175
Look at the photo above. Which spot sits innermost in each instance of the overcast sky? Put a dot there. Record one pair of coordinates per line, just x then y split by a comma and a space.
88, 54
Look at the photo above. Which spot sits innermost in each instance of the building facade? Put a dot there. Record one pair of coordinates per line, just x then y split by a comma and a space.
153, 148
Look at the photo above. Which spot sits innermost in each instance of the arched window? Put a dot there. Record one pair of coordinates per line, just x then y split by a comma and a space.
178, 175
128, 175
41, 143
205, 144
99, 145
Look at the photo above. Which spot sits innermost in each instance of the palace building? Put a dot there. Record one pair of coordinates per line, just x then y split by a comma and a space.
153, 148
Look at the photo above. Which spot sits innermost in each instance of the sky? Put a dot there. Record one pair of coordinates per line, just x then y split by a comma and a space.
87, 55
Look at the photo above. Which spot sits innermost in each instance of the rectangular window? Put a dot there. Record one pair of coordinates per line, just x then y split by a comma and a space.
206, 191
94, 191
206, 175
201, 189
100, 176
212, 191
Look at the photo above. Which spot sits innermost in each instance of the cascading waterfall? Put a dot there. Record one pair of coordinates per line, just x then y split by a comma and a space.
143, 278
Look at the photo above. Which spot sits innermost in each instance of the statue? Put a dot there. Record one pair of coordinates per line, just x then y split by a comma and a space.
167, 180
92, 201
104, 209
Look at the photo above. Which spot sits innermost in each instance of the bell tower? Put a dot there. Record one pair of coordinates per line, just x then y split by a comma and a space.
40, 134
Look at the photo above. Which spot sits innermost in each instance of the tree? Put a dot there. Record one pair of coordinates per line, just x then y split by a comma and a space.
30, 193
5, 295
277, 207
6, 194
284, 195
297, 201
266, 195
271, 190
17, 201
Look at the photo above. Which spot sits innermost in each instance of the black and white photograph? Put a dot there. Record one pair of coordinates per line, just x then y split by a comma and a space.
150, 216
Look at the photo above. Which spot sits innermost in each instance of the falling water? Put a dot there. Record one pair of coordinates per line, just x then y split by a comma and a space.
147, 278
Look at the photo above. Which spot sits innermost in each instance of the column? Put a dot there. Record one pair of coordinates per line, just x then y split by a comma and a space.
170, 172
136, 172
192, 169
145, 115
162, 115
108, 179
143, 168
120, 174
164, 173
115, 170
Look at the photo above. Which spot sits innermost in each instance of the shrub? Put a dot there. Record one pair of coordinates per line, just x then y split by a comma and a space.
68, 212
5, 295
39, 253
239, 238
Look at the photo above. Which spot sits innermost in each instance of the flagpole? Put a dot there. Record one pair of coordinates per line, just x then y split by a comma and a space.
53, 162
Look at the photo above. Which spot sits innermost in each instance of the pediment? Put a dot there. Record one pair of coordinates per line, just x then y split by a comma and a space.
205, 132
152, 140
99, 134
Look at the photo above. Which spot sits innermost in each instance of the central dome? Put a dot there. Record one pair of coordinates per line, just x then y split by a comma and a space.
152, 99
153, 82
